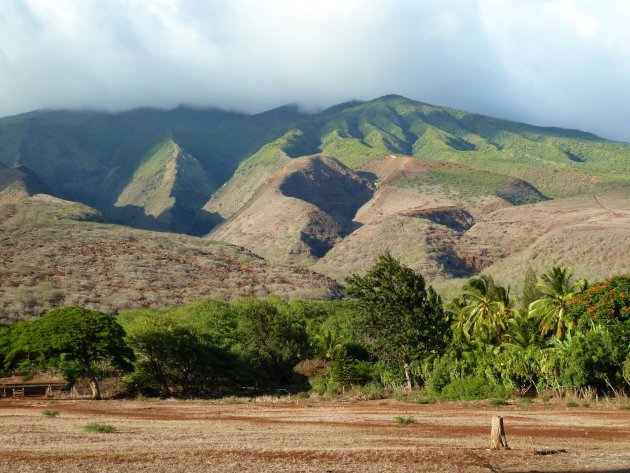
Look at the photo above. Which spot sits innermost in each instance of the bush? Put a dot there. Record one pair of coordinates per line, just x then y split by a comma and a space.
404, 420
50, 413
473, 388
498, 402
438, 378
592, 359
100, 428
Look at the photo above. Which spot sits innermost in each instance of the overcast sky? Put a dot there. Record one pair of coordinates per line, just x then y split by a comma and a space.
548, 62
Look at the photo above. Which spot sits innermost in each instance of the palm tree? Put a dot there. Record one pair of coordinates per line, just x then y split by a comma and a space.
487, 309
328, 343
551, 311
520, 335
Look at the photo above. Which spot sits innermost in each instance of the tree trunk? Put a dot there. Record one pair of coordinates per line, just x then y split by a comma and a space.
407, 374
498, 440
96, 392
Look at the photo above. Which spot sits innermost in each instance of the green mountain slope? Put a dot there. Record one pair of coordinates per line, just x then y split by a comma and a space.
92, 157
558, 162
169, 186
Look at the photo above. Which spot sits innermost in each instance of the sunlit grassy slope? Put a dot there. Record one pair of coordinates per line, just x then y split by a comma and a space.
558, 162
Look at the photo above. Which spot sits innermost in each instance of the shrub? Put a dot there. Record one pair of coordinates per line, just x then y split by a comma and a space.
404, 420
50, 413
473, 388
591, 359
572, 404
605, 302
100, 428
498, 402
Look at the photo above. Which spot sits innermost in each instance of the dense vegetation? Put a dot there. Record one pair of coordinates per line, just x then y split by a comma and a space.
392, 330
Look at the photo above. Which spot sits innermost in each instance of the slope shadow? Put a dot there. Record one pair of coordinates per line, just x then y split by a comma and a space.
194, 222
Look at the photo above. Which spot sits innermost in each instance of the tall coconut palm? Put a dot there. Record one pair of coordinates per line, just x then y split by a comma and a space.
551, 311
487, 309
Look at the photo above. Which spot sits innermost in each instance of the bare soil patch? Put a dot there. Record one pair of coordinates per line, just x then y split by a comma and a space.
156, 436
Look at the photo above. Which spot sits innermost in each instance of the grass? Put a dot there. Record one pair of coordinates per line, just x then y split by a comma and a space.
498, 402
100, 428
572, 404
424, 400
404, 420
50, 413
525, 402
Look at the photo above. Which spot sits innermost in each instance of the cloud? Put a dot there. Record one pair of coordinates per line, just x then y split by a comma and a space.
556, 62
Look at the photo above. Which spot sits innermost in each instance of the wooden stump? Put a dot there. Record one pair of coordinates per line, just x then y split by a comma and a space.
498, 440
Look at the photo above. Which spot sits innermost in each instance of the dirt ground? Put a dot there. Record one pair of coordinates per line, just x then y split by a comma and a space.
301, 436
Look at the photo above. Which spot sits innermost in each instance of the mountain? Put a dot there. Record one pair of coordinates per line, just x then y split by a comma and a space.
449, 192
94, 158
103, 160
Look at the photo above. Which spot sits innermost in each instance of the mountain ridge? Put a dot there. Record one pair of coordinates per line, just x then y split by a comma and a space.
328, 190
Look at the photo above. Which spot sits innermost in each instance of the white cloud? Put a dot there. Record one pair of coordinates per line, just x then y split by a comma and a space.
557, 62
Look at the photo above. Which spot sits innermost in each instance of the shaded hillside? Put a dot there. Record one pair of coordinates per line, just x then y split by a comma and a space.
300, 212
574, 231
58, 253
17, 182
93, 157
439, 218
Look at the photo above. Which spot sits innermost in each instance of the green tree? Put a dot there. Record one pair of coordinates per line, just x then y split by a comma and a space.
344, 371
531, 293
151, 338
5, 343
176, 352
327, 343
552, 310
272, 341
487, 309
404, 318
74, 334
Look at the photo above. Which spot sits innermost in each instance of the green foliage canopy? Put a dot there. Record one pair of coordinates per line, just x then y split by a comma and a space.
73, 334
551, 310
404, 318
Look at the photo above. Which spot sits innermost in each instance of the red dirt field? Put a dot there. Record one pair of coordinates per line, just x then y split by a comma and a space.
313, 436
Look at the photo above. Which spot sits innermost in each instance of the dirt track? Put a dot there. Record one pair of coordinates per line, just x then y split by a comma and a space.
308, 436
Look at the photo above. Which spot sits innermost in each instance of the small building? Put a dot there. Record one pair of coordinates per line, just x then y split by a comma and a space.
24, 384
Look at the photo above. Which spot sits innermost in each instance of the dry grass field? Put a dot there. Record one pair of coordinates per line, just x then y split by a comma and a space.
161, 436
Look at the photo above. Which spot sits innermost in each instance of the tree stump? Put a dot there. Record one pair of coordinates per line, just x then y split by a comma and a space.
498, 440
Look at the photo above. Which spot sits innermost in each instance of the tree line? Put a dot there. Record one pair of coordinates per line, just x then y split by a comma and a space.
393, 329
